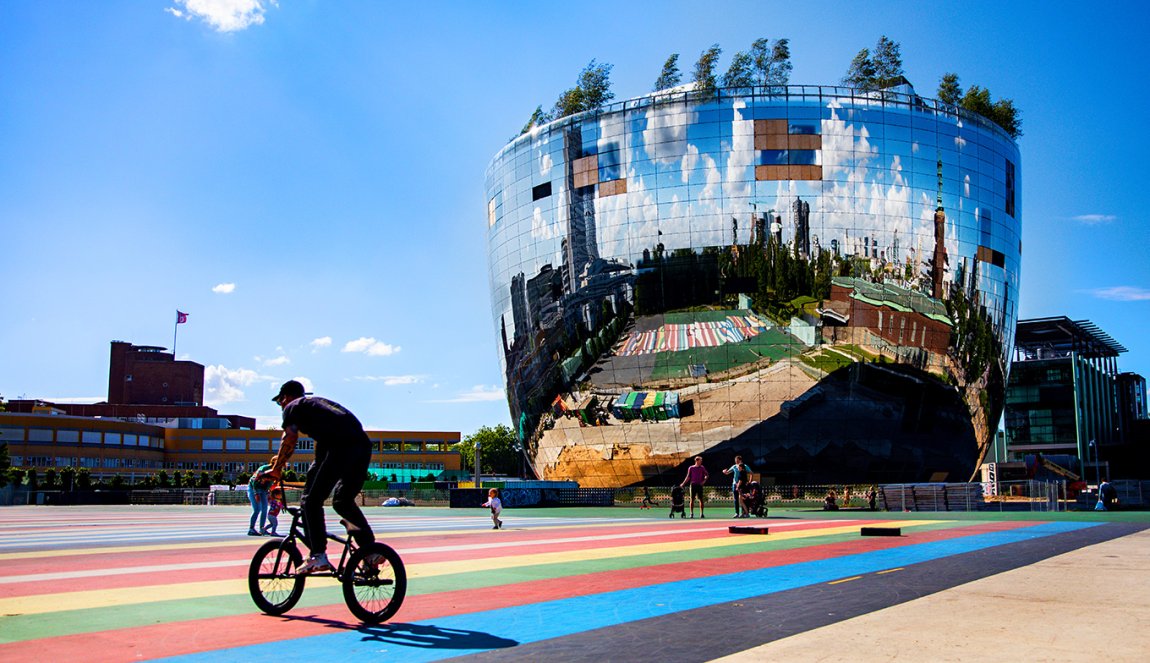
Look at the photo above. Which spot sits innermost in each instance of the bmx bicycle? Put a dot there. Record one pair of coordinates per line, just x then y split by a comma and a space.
373, 577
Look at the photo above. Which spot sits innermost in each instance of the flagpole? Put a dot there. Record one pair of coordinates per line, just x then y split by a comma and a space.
175, 331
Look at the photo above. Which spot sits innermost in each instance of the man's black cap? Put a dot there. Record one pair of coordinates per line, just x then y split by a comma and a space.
290, 388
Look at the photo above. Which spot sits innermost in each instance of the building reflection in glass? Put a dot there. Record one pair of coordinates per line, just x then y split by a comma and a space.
823, 281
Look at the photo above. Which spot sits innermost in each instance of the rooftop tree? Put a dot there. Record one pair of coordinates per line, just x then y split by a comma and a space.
670, 76
860, 74
705, 80
537, 118
887, 60
875, 70
740, 73
978, 100
1001, 112
772, 63
592, 90
949, 91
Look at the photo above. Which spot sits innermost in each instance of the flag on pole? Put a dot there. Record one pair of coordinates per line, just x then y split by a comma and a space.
181, 317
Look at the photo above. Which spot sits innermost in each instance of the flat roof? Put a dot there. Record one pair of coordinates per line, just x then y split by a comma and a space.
1062, 333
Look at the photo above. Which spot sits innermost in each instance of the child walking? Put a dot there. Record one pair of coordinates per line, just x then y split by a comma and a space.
275, 505
496, 505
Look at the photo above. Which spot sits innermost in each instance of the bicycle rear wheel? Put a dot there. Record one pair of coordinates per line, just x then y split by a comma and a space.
272, 580
373, 592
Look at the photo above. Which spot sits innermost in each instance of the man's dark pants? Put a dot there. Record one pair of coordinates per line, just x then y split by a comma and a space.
344, 468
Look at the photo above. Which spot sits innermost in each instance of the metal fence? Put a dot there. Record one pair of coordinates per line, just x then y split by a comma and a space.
1036, 496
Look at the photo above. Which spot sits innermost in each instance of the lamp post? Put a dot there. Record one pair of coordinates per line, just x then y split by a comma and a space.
1097, 470
478, 476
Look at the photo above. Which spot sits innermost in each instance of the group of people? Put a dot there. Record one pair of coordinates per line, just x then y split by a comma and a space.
342, 457
744, 491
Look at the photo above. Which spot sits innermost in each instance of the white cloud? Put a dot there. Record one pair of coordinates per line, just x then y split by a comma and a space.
1122, 293
478, 394
321, 342
224, 288
277, 361
222, 15
225, 385
371, 347
390, 380
1095, 219
269, 422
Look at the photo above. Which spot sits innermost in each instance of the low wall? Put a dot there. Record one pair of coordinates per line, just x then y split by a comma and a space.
518, 498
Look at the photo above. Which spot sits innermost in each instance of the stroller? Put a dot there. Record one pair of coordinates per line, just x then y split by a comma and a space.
753, 502
677, 504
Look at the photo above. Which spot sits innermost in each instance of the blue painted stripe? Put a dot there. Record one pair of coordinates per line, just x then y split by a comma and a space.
471, 633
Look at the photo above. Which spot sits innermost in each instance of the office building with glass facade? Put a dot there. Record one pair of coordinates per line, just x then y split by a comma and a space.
1063, 396
820, 279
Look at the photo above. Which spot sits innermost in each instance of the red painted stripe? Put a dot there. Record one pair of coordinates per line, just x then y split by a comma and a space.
173, 639
126, 560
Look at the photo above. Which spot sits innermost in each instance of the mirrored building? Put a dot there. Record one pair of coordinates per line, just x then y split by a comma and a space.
819, 279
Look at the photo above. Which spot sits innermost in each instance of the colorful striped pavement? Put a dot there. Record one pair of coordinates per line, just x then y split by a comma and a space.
141, 583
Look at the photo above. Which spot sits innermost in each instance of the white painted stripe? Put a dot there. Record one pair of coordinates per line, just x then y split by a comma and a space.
165, 568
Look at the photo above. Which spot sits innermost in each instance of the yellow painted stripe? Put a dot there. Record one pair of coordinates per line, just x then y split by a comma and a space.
835, 582
891, 570
102, 598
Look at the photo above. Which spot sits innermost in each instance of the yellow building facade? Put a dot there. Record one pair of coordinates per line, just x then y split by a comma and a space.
108, 447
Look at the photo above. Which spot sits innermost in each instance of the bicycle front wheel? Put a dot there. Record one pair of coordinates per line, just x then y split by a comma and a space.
374, 583
272, 581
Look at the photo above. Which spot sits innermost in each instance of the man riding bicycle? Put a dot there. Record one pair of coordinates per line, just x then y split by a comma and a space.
342, 456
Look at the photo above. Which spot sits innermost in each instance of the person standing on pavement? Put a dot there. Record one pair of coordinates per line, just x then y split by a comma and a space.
342, 456
697, 478
258, 487
740, 474
1108, 494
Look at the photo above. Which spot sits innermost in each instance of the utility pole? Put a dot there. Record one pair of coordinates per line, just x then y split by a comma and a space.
1097, 469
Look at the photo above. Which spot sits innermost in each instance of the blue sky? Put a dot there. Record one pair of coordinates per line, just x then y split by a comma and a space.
305, 178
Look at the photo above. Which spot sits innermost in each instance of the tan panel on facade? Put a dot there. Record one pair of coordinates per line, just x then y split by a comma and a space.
985, 254
771, 128
763, 173
612, 188
804, 142
586, 171
771, 142
771, 173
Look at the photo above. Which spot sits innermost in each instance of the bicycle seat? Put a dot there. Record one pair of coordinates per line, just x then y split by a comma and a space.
351, 529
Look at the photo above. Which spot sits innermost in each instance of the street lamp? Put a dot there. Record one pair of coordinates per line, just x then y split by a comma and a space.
1097, 470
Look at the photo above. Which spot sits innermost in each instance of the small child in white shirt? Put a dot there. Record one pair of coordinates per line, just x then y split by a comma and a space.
496, 505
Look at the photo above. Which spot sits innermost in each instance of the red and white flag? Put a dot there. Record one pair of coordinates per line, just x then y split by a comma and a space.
181, 317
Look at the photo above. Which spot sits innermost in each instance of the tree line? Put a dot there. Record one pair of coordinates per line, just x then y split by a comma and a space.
768, 64
882, 68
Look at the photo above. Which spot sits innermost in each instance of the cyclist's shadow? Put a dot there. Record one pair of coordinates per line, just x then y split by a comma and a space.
419, 636
427, 636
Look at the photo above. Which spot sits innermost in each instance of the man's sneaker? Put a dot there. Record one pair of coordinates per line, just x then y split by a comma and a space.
314, 564
374, 560
252, 532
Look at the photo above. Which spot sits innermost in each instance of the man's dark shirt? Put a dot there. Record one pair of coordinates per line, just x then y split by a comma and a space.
324, 421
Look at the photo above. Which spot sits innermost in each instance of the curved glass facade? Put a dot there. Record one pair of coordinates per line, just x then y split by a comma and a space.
821, 280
